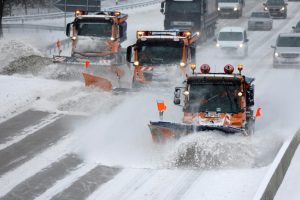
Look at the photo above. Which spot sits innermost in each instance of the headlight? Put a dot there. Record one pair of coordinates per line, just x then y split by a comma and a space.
74, 38
219, 8
217, 45
112, 38
282, 9
182, 64
186, 93
241, 45
276, 54
136, 63
235, 9
266, 8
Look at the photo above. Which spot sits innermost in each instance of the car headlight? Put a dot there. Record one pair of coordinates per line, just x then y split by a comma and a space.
265, 8
276, 54
282, 9
217, 45
219, 8
241, 45
235, 9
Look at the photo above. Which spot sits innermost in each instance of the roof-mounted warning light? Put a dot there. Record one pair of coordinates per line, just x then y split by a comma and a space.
187, 34
205, 69
240, 68
116, 13
193, 67
228, 69
80, 12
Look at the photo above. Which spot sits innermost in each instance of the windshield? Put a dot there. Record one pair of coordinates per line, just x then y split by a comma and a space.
97, 29
214, 97
288, 41
229, 1
276, 2
230, 36
260, 15
183, 6
155, 52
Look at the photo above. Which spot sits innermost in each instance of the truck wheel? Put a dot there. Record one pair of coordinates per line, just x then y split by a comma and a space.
249, 128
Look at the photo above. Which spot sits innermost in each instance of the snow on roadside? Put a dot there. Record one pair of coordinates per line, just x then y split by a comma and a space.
11, 50
19, 93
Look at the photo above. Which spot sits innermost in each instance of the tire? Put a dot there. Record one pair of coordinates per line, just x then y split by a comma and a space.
250, 127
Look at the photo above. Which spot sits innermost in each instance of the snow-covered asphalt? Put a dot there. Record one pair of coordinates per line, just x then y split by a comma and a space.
60, 140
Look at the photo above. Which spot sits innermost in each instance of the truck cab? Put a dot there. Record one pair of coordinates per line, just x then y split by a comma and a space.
97, 35
277, 8
162, 56
230, 8
211, 101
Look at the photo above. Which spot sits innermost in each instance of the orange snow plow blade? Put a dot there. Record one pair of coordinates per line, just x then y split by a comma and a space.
102, 83
163, 131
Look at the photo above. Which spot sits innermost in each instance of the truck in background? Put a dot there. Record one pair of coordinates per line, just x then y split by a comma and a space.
195, 15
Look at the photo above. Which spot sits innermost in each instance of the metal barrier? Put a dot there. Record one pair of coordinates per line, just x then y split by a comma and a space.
278, 169
63, 43
34, 26
61, 14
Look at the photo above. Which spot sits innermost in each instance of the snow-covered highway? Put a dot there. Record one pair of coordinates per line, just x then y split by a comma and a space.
60, 140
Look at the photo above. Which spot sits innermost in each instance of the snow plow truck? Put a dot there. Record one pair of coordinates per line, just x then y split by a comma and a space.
96, 44
211, 102
161, 56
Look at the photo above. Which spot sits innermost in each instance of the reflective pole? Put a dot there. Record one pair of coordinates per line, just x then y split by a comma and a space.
65, 14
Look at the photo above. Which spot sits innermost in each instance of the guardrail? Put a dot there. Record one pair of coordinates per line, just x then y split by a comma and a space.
33, 26
278, 169
62, 14
53, 49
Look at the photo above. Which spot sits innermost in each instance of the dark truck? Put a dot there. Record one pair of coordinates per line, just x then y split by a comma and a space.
277, 8
193, 15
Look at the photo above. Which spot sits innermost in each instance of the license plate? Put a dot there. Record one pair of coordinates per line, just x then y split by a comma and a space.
182, 23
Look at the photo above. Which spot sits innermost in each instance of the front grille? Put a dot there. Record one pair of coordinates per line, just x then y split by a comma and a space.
289, 55
229, 48
259, 23
274, 10
226, 10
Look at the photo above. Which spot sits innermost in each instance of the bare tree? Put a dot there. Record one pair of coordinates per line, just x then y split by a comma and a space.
2, 2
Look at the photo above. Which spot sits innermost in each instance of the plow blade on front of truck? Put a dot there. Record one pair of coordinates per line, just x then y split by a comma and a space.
162, 131
99, 72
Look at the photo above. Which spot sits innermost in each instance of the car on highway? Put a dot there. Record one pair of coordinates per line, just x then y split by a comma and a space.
233, 41
261, 20
287, 50
277, 8
227, 8
296, 29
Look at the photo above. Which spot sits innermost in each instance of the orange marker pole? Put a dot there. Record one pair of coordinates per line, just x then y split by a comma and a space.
161, 107
258, 112
87, 64
58, 46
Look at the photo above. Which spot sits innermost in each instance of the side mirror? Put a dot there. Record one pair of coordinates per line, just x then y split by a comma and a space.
293, 27
177, 94
264, 4
162, 7
68, 29
215, 39
129, 54
272, 46
246, 40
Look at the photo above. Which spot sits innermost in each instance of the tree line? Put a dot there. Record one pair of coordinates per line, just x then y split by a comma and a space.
7, 6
